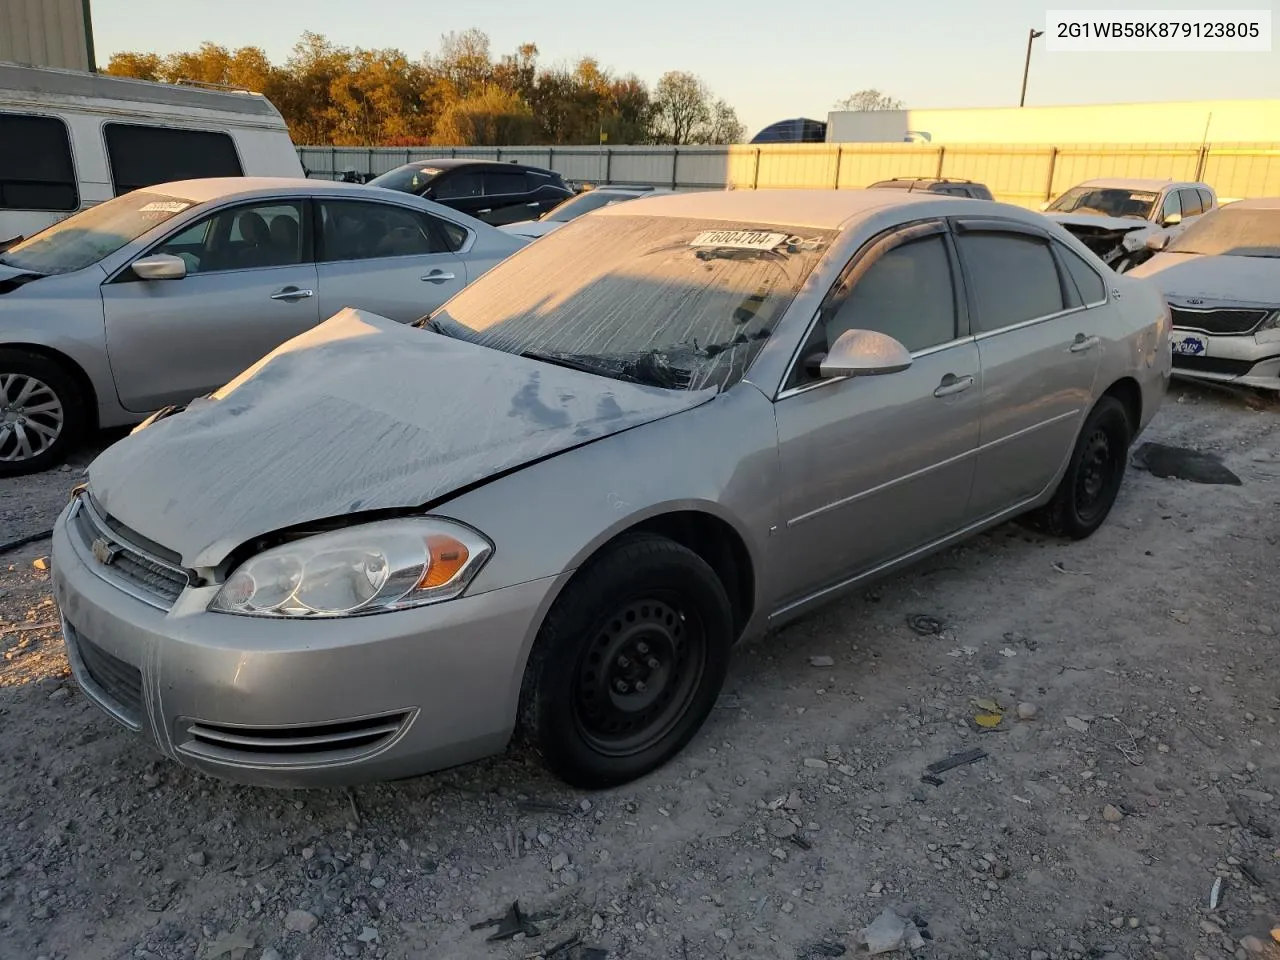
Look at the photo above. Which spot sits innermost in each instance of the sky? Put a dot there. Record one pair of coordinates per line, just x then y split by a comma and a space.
768, 59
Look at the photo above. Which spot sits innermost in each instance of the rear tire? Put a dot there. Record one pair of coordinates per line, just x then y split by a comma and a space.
43, 413
628, 663
1088, 489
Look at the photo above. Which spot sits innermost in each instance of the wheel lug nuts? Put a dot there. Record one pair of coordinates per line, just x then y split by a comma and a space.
640, 686
642, 648
621, 686
624, 662
653, 663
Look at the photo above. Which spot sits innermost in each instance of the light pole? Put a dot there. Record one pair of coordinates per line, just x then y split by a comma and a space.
1026, 68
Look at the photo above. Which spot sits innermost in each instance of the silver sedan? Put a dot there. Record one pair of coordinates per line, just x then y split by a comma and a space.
560, 500
164, 294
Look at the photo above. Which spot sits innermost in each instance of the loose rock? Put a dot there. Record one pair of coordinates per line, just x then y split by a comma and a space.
300, 921
1112, 814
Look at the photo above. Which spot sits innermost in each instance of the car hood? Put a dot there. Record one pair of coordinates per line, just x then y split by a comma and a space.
1101, 223
359, 414
1239, 280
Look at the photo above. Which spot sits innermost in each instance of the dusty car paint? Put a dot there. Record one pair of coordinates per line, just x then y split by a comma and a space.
405, 444
790, 475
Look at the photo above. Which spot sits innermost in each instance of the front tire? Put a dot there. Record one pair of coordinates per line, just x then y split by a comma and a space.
628, 663
42, 413
1089, 488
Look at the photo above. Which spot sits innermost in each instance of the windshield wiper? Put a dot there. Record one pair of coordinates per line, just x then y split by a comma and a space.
647, 370
559, 360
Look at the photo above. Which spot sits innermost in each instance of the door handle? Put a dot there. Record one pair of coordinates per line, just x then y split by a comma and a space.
485, 210
535, 205
1083, 343
437, 276
951, 385
290, 294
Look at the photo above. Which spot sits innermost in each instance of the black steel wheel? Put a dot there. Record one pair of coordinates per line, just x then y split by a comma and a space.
629, 662
1089, 487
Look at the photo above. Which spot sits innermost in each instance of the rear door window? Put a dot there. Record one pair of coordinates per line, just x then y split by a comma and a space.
1191, 205
36, 170
501, 183
356, 230
141, 156
1206, 198
1013, 278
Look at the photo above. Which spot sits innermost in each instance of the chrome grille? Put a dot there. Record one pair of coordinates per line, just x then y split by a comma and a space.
1221, 321
119, 560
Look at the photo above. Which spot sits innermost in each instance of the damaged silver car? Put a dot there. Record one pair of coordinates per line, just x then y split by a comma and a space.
1115, 217
556, 503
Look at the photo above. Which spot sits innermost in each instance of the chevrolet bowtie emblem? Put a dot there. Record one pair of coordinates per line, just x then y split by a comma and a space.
103, 551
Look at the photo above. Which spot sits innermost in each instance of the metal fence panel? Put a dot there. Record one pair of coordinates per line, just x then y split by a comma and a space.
1151, 160
866, 163
1023, 174
1015, 173
1236, 171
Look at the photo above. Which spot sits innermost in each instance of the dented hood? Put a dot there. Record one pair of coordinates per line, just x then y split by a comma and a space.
1070, 220
360, 413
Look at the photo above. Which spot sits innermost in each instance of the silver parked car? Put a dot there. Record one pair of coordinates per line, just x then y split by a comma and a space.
561, 499
1222, 280
576, 206
165, 293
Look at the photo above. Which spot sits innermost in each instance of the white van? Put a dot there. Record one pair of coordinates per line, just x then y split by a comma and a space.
69, 140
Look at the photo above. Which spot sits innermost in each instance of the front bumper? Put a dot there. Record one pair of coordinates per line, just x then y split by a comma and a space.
1250, 361
299, 703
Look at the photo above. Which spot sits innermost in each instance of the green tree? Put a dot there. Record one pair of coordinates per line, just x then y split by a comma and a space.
489, 117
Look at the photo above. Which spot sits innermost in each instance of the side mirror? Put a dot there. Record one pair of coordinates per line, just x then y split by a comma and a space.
862, 353
160, 266
1157, 242
1172, 220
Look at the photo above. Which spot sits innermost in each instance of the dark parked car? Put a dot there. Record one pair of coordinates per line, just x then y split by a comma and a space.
488, 190
945, 185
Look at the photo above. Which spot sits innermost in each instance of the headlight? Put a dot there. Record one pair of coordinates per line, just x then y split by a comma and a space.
371, 568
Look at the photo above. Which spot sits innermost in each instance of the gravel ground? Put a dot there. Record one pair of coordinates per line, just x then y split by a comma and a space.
1134, 763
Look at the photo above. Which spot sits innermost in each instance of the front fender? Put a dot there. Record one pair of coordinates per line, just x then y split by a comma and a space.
548, 518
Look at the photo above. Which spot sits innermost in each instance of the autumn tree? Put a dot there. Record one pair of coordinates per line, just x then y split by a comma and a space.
868, 100
489, 117
331, 94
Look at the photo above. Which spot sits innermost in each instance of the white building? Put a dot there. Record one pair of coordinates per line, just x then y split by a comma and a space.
1201, 121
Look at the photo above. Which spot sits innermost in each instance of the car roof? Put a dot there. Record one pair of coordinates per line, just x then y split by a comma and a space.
1138, 183
820, 209
1257, 203
453, 163
221, 188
